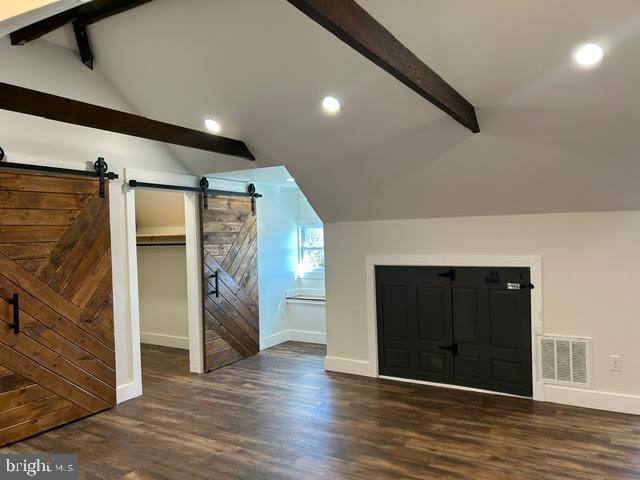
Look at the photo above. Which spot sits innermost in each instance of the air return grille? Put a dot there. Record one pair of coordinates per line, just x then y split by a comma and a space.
565, 361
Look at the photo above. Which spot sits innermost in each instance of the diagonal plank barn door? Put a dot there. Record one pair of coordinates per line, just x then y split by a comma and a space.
55, 255
230, 280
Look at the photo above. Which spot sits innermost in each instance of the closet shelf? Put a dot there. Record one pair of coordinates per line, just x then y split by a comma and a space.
155, 239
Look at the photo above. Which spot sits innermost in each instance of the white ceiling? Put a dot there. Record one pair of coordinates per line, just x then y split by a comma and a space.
554, 137
275, 176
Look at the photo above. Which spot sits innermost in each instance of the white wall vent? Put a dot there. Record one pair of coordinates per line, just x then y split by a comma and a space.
565, 360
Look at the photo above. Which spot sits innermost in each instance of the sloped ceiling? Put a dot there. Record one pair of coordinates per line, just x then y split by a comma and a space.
554, 137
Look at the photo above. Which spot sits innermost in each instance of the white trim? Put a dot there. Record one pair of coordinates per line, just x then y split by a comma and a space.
614, 402
172, 341
273, 340
448, 385
307, 336
318, 303
128, 391
293, 336
194, 294
312, 274
347, 365
133, 304
532, 261
194, 281
312, 292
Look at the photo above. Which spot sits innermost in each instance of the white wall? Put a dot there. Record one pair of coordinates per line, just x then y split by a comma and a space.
590, 264
277, 256
43, 66
162, 290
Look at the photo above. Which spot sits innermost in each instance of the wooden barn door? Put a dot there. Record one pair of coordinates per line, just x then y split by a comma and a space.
58, 364
230, 280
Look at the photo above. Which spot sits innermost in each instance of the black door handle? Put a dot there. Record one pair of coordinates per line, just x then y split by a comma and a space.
15, 301
453, 348
216, 280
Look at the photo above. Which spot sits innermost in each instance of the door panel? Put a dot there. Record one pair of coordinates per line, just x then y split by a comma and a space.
414, 323
469, 330
230, 252
55, 254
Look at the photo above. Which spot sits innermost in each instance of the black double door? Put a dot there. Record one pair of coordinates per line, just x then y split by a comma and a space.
468, 326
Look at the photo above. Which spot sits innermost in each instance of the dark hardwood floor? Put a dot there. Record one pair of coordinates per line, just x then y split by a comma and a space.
278, 415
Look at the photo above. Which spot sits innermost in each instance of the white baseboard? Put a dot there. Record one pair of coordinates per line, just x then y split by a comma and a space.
309, 337
128, 391
613, 402
273, 340
293, 336
165, 340
578, 397
347, 365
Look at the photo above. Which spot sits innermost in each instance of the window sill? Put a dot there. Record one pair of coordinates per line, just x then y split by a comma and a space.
316, 275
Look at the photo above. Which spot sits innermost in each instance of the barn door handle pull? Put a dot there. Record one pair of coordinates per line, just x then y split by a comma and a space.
215, 277
451, 348
15, 301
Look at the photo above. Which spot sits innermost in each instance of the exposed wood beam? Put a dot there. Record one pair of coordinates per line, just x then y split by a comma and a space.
84, 47
36, 30
353, 25
86, 14
61, 109
97, 10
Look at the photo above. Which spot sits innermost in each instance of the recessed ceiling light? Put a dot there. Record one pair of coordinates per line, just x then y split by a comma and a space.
212, 125
589, 54
331, 105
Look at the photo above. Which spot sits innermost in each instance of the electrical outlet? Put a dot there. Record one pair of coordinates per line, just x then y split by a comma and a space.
615, 363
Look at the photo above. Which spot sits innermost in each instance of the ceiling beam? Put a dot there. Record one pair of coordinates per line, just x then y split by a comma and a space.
36, 30
353, 25
97, 10
84, 47
86, 14
61, 109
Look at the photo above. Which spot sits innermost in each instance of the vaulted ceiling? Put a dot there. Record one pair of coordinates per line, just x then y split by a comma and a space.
554, 137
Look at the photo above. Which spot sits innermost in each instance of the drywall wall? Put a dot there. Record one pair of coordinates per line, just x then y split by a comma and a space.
162, 290
162, 270
306, 321
159, 212
43, 66
306, 214
589, 266
277, 256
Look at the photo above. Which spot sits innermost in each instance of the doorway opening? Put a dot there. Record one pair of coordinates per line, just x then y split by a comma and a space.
290, 258
162, 280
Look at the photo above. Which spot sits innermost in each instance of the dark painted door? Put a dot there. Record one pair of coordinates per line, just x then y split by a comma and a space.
467, 326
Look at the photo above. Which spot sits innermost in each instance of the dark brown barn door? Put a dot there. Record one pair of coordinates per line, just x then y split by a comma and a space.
55, 280
230, 269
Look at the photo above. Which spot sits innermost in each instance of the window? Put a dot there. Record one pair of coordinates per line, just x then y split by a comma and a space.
311, 250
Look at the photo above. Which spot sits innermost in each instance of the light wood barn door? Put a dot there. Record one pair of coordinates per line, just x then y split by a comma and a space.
55, 255
230, 251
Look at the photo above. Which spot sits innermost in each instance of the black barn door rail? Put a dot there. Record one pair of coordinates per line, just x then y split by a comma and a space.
179, 188
100, 170
203, 188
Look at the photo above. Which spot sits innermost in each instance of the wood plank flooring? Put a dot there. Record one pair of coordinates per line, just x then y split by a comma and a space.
278, 415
